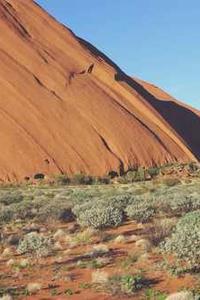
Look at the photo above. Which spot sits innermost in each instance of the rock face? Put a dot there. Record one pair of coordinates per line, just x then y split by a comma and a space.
66, 108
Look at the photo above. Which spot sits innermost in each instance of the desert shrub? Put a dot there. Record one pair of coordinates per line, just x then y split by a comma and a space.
103, 180
129, 260
120, 201
140, 175
35, 244
102, 212
129, 177
83, 237
6, 214
140, 211
100, 217
185, 204
89, 201
28, 208
153, 171
179, 202
82, 196
171, 181
25, 210
62, 179
80, 208
160, 230
58, 210
8, 198
135, 175
125, 284
185, 240
193, 167
123, 180
82, 179
22, 210
113, 174
151, 294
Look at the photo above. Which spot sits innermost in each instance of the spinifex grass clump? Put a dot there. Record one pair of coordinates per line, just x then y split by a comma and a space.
185, 241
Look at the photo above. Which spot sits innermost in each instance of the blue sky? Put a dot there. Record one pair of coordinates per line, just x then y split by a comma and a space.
155, 40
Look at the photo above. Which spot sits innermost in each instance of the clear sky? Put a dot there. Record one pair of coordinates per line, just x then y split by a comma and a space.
155, 40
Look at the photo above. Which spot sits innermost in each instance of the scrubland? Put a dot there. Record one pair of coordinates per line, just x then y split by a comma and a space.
136, 240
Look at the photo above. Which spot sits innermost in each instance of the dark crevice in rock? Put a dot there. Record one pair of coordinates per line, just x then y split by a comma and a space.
38, 80
9, 13
46, 88
49, 54
43, 57
121, 164
90, 69
56, 95
73, 74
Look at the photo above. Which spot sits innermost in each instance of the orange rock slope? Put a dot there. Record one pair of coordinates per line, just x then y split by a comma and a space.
66, 108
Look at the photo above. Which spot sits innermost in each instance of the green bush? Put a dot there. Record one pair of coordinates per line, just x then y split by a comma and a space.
125, 284
58, 210
103, 180
8, 198
153, 171
171, 181
120, 201
27, 209
178, 203
82, 179
140, 175
6, 214
135, 175
193, 167
113, 174
185, 240
22, 210
155, 295
62, 180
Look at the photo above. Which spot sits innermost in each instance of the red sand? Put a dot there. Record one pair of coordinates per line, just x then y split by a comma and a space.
58, 116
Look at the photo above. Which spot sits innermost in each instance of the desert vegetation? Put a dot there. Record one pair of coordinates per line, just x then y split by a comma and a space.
136, 240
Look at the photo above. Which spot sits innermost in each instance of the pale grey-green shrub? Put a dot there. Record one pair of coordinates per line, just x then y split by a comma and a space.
178, 202
35, 244
140, 211
121, 201
185, 240
6, 214
59, 210
10, 197
100, 217
80, 208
